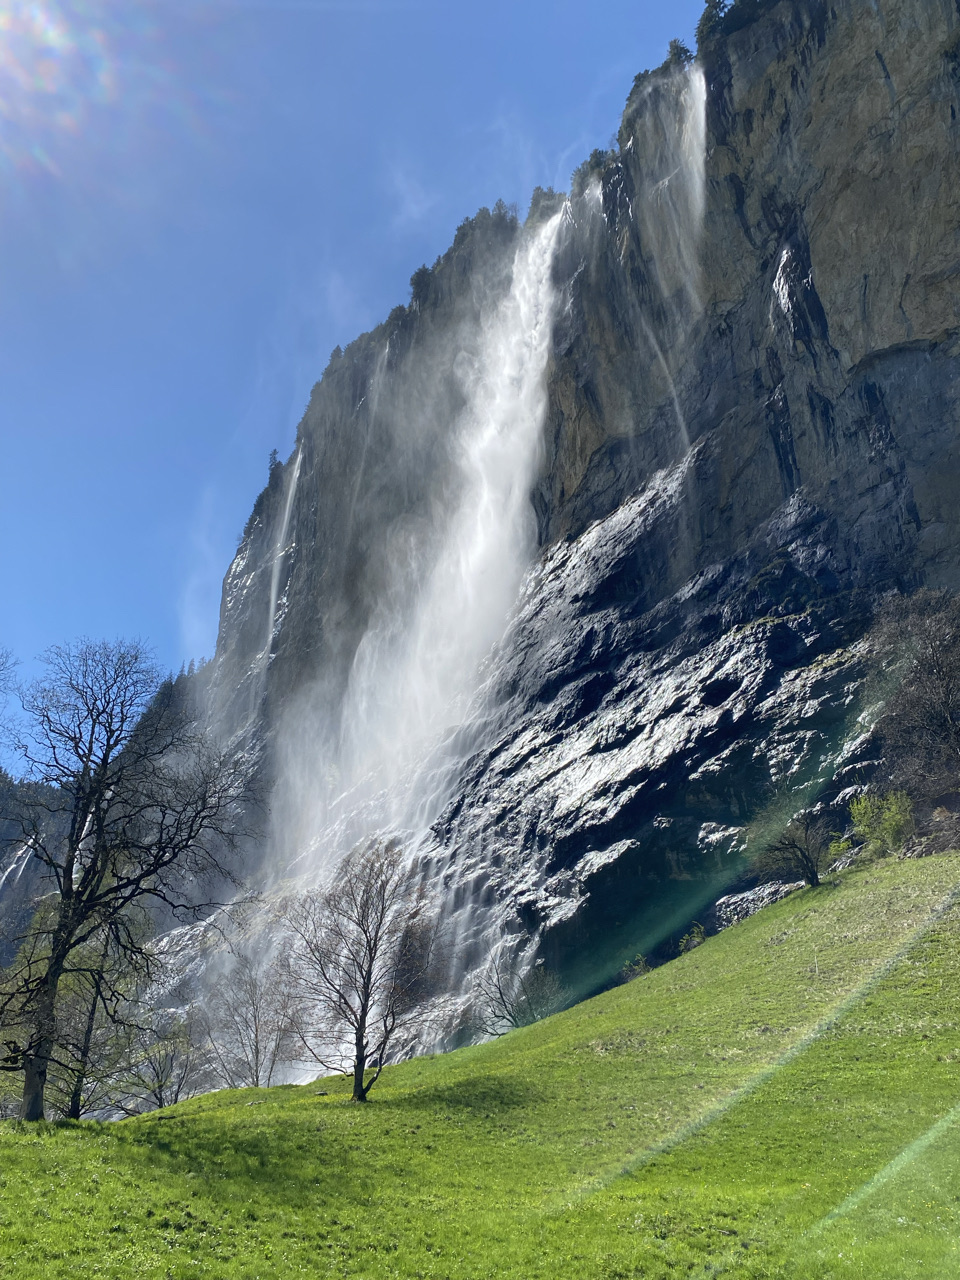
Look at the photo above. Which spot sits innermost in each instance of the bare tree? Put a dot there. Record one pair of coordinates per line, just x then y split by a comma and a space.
361, 962
920, 639
509, 995
167, 1059
251, 1023
127, 806
7, 665
801, 851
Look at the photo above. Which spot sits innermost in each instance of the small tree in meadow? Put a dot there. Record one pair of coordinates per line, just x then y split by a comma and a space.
361, 962
801, 852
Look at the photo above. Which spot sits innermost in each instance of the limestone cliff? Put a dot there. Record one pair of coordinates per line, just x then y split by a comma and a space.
751, 401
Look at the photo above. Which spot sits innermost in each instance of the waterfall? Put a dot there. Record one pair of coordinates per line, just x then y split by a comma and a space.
15, 867
669, 210
415, 672
418, 664
280, 552
664, 223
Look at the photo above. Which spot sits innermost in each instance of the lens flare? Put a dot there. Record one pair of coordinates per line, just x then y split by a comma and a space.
55, 66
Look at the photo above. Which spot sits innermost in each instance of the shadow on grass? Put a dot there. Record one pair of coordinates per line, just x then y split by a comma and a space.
481, 1093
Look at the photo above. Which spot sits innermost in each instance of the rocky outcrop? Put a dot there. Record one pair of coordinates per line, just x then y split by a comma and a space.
751, 432
734, 908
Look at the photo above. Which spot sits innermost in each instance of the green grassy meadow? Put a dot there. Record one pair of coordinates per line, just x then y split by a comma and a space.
783, 1102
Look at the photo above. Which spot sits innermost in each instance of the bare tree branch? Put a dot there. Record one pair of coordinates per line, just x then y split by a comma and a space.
801, 851
509, 994
251, 1023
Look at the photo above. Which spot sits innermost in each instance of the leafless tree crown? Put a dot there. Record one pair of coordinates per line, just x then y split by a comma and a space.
919, 639
509, 994
361, 962
250, 1022
802, 850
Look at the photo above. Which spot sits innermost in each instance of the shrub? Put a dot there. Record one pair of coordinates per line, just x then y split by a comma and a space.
802, 850
544, 203
634, 968
690, 941
883, 823
420, 286
710, 22
592, 167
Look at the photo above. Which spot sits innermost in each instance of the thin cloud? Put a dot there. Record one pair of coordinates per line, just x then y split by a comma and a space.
413, 201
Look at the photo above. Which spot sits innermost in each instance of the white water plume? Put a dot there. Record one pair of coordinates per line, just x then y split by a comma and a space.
671, 207
15, 867
418, 664
280, 552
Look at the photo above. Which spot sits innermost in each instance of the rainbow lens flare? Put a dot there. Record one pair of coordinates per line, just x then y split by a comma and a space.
55, 65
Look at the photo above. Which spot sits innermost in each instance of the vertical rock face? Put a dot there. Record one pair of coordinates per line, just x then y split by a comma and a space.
747, 419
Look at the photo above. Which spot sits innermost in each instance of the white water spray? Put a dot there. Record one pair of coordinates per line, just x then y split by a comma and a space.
671, 208
15, 868
280, 552
418, 663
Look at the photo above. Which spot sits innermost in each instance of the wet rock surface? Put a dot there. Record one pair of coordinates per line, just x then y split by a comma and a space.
734, 908
724, 509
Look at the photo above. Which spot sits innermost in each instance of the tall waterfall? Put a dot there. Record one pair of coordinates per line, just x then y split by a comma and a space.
451, 587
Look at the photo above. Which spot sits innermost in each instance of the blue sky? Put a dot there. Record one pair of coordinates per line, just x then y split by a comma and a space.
199, 199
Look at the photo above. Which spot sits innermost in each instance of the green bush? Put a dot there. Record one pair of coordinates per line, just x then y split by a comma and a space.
710, 24
420, 283
592, 167
634, 968
883, 823
839, 848
695, 938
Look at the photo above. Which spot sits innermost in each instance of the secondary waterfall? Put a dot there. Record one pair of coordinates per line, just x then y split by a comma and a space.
279, 557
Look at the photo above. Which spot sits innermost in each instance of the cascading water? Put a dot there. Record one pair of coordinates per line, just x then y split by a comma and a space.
417, 667
280, 553
418, 663
15, 867
669, 209
238, 682
663, 223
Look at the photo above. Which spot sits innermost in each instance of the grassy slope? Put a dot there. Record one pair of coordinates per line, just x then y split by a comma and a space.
777, 1103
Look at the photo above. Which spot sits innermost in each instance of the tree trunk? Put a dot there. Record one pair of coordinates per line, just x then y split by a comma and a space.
40, 1049
359, 1070
35, 1081
76, 1095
